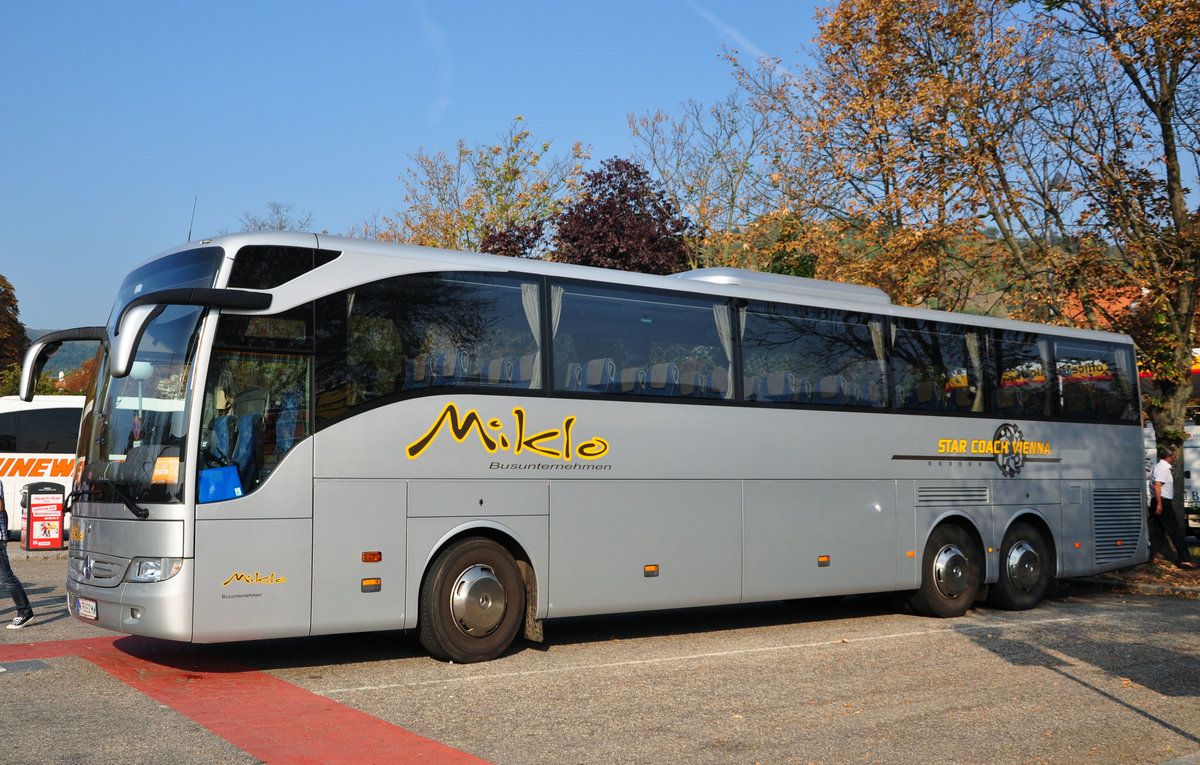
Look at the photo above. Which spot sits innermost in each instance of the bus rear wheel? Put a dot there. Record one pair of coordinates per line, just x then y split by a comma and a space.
1024, 569
950, 576
472, 602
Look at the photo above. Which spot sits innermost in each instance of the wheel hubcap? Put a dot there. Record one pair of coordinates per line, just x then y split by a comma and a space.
477, 601
950, 571
1024, 566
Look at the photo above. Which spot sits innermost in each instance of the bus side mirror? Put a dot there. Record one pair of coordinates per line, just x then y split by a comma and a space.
129, 333
45, 346
139, 312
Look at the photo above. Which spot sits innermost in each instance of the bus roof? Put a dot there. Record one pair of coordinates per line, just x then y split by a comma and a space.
374, 260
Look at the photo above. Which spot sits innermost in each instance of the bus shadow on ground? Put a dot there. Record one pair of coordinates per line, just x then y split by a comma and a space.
708, 619
1130, 660
279, 653
391, 645
1131, 664
365, 647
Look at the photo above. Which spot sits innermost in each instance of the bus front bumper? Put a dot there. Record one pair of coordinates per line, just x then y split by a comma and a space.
154, 609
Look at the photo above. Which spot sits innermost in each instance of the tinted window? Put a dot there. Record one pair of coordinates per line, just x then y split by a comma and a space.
414, 334
263, 267
812, 355
623, 341
1025, 386
1096, 381
938, 366
189, 268
38, 431
257, 393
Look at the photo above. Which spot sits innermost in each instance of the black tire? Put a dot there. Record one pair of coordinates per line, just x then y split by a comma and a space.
1025, 569
950, 574
472, 602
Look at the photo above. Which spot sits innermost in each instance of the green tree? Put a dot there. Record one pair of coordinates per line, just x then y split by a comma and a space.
13, 341
624, 220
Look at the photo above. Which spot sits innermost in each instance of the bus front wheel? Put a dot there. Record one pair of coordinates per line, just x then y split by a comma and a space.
950, 577
472, 602
1024, 569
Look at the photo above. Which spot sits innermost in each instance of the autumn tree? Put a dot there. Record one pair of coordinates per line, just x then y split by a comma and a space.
710, 163
500, 194
887, 144
778, 239
1064, 127
1126, 115
77, 381
623, 219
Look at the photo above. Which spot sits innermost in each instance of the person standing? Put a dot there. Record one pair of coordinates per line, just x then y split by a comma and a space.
1162, 511
8, 578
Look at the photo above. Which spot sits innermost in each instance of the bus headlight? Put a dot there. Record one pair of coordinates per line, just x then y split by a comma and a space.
153, 569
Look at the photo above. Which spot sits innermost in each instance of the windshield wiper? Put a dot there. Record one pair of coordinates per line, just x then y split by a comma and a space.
134, 507
76, 495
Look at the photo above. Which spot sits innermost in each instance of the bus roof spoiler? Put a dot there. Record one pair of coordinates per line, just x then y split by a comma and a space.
137, 314
44, 347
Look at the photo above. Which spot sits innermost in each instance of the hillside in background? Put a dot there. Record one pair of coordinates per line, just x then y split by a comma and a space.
69, 357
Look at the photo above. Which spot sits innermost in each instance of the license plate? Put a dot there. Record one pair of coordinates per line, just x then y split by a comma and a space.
85, 608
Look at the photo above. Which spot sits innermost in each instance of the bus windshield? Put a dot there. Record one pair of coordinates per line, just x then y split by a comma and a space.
137, 425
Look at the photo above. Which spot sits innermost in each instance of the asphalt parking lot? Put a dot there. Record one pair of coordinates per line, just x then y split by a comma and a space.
1090, 676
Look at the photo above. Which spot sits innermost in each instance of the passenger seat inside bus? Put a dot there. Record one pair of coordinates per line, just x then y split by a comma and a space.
523, 370
245, 433
498, 372
779, 386
632, 380
251, 401
663, 379
598, 375
285, 422
223, 436
248, 448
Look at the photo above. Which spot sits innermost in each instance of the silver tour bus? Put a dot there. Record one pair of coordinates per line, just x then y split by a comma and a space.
293, 434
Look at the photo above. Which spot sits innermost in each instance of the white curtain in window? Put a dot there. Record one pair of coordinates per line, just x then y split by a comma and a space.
725, 331
529, 301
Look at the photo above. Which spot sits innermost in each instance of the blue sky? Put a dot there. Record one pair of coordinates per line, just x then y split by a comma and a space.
114, 117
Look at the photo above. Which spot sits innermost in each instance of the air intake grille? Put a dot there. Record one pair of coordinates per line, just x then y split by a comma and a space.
952, 495
1116, 523
91, 569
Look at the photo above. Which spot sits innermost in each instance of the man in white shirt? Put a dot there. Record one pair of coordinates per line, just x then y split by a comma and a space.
1162, 510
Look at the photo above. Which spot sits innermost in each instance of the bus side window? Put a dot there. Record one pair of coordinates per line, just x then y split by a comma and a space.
624, 341
808, 355
409, 335
939, 366
257, 395
1024, 377
1096, 381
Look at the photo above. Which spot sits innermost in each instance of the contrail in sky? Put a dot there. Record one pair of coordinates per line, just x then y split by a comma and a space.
742, 42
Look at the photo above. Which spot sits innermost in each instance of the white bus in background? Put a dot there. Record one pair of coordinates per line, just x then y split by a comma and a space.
38, 440
1190, 456
338, 435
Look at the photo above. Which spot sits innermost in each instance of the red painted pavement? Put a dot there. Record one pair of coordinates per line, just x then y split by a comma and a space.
265, 717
